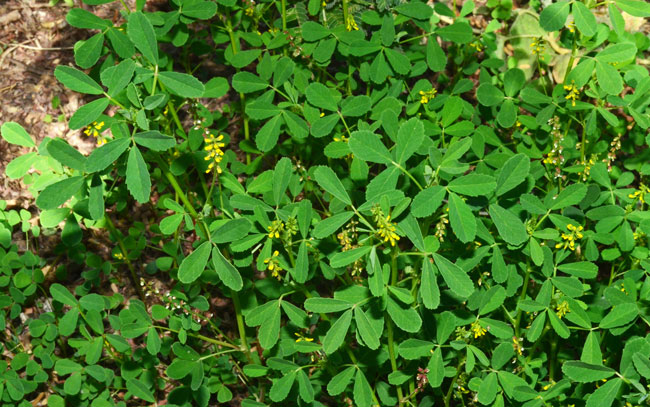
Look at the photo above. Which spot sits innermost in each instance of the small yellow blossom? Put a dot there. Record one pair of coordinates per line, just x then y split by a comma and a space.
275, 228
516, 345
537, 46
273, 265
322, 114
95, 130
426, 96
571, 26
350, 24
574, 92
570, 238
477, 329
214, 145
119, 256
303, 338
477, 46
562, 309
640, 194
385, 228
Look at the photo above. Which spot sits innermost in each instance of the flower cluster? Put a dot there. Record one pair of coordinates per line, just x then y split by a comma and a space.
615, 145
588, 164
385, 228
575, 233
275, 228
537, 46
516, 345
214, 145
422, 378
427, 95
562, 309
95, 130
441, 228
350, 24
574, 93
348, 236
555, 156
301, 338
273, 265
640, 194
477, 329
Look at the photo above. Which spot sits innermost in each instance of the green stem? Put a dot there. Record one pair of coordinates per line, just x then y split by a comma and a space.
136, 282
389, 326
408, 174
453, 383
284, 15
522, 296
240, 324
201, 337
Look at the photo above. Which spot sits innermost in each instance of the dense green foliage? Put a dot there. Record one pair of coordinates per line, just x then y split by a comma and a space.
393, 203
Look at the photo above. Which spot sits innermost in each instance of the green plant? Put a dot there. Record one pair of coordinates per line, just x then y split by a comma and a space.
388, 207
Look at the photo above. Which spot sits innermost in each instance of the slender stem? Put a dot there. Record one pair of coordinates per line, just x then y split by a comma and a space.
453, 383
155, 80
240, 324
345, 11
115, 233
284, 15
201, 337
408, 174
522, 296
389, 326
242, 97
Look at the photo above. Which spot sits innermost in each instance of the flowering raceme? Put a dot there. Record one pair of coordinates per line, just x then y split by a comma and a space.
214, 145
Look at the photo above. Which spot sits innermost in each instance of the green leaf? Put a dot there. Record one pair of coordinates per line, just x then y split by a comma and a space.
267, 137
121, 43
409, 139
356, 106
179, 368
20, 166
436, 57
281, 178
412, 349
326, 305
554, 16
182, 84
456, 278
581, 269
398, 61
58, 193
487, 391
605, 395
620, 315
138, 180
141, 33
362, 391
232, 230
321, 96
415, 9
642, 364
62, 295
66, 154
14, 133
270, 328
301, 270
458, 32
102, 157
429, 286
227, 273
76, 80
513, 80
387, 31
507, 116
193, 265
260, 110
591, 352
312, 31
216, 88
510, 228
80, 18
88, 113
616, 53
330, 225
336, 334
427, 201
571, 195
339, 382
436, 368
330, 182
155, 140
513, 173
412, 230
117, 77
584, 19
153, 341
462, 221
367, 146
585, 372
342, 259
203, 10
473, 185
608, 78
558, 326
246, 82
87, 54
489, 95
366, 330
305, 388
405, 317
637, 8
140, 390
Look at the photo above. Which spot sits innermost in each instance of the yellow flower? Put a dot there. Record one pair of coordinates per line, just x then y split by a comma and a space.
119, 256
385, 228
477, 46
350, 24
516, 345
275, 228
273, 265
303, 338
213, 146
640, 194
562, 309
426, 96
95, 130
571, 26
570, 238
477, 329
574, 93
537, 46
